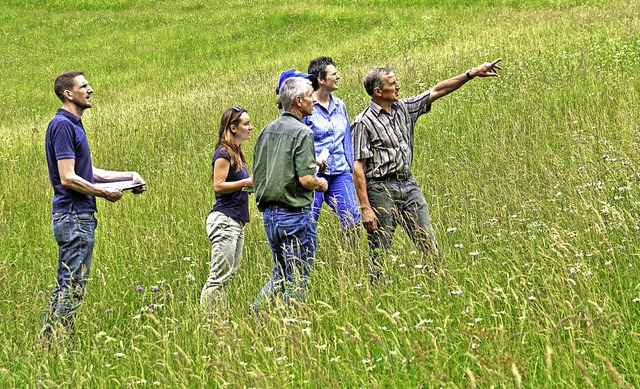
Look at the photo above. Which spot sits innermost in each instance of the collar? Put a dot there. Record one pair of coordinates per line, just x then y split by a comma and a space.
293, 115
332, 103
69, 115
375, 107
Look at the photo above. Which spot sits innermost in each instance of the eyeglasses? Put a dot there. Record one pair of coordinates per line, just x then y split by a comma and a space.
238, 108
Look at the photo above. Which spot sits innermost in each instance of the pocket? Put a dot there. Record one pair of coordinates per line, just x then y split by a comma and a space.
382, 190
86, 222
61, 225
217, 224
376, 186
302, 226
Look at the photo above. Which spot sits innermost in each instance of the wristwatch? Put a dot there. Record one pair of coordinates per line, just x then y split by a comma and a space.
468, 74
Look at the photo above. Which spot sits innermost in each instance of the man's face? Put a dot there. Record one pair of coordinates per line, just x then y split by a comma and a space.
81, 93
306, 107
389, 92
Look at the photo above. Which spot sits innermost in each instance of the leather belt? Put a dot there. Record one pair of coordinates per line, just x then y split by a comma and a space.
393, 177
288, 209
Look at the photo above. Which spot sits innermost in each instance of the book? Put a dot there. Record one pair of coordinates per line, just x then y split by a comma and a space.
119, 185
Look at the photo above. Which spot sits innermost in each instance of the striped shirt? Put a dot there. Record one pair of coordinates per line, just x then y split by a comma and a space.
385, 141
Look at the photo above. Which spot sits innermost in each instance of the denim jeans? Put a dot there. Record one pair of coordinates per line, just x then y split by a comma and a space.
341, 197
400, 201
227, 240
74, 233
292, 237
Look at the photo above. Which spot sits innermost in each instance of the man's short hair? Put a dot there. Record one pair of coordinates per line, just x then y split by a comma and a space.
65, 81
373, 79
318, 67
292, 88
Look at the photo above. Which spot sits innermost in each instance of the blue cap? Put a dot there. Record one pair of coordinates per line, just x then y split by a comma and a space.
291, 73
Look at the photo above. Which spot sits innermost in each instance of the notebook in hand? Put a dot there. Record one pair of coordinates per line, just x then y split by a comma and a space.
119, 185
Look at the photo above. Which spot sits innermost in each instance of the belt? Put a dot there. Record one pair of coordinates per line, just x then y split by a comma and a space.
392, 177
287, 208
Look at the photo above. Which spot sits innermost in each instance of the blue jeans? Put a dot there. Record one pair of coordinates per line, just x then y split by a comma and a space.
341, 197
292, 237
74, 233
400, 201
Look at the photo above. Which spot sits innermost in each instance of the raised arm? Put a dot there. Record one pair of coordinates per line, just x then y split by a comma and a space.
443, 88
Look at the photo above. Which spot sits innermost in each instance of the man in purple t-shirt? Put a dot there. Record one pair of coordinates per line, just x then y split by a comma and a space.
73, 179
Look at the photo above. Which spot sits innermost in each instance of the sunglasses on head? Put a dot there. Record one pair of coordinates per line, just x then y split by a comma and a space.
235, 108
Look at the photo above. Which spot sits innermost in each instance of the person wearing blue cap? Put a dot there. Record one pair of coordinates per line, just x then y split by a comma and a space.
332, 134
286, 75
284, 179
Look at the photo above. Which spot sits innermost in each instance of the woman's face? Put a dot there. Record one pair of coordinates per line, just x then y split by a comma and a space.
242, 131
330, 82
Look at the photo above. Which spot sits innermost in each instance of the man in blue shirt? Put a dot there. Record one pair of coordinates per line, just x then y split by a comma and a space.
73, 177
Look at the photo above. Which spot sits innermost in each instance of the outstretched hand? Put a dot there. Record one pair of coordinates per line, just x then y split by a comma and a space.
487, 69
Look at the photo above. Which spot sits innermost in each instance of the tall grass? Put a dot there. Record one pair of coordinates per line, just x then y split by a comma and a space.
531, 180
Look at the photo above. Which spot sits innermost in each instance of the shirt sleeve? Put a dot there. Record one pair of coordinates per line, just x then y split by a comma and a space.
361, 141
304, 154
63, 138
417, 105
221, 152
348, 139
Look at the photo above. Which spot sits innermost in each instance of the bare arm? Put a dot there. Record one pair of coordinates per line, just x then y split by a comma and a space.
101, 175
368, 217
70, 179
445, 87
312, 182
220, 174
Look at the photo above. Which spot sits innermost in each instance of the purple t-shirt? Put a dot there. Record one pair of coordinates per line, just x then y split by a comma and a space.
65, 138
236, 204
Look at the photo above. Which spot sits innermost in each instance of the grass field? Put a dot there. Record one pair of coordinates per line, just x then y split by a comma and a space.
531, 180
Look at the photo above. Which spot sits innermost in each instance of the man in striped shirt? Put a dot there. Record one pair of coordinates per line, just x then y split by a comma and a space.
383, 137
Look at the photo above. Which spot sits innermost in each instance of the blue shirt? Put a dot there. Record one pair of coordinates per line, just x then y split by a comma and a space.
235, 204
331, 130
65, 138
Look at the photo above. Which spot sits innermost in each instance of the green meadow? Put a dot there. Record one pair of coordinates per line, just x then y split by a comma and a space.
531, 180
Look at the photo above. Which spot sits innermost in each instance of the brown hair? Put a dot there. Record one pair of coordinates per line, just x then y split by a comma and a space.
65, 81
230, 117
